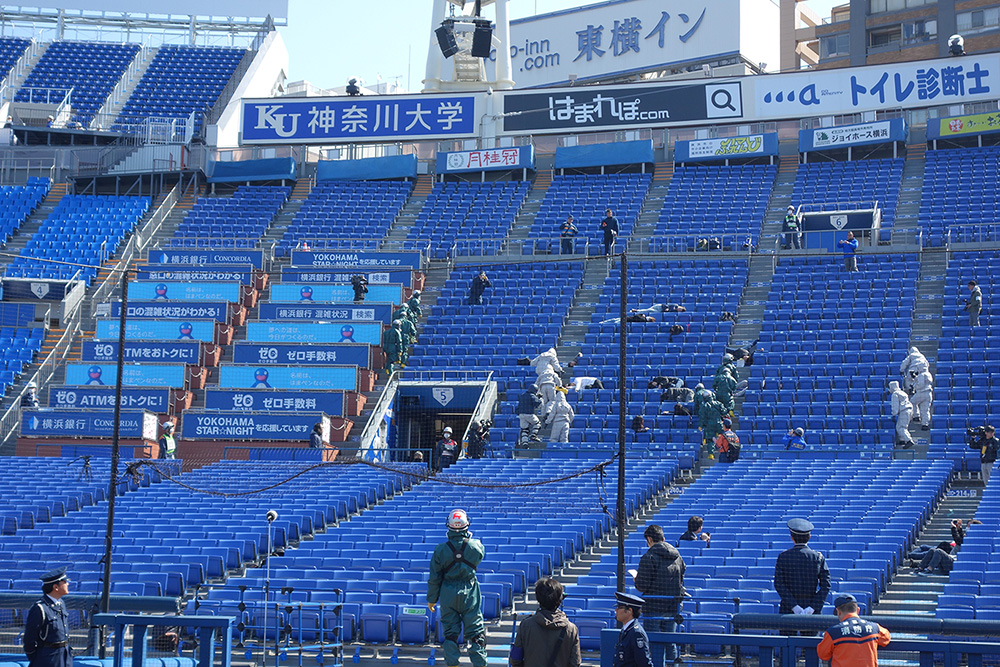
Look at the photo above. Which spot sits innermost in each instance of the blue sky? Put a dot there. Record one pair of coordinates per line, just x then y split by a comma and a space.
331, 40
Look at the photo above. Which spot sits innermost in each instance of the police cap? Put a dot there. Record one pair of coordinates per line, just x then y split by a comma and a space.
54, 576
627, 600
800, 526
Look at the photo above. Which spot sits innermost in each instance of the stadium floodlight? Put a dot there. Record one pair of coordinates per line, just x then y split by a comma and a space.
956, 45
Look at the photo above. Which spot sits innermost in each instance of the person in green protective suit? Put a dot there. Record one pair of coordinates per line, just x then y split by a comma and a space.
392, 345
453, 584
710, 416
405, 318
414, 305
724, 385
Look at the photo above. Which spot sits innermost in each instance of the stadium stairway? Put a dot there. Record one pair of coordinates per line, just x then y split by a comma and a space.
24, 65
911, 594
408, 214
781, 194
532, 203
34, 222
906, 223
123, 90
649, 215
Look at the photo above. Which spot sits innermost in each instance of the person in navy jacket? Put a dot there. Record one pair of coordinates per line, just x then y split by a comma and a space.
632, 649
46, 630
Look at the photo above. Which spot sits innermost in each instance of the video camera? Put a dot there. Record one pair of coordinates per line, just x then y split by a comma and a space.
359, 282
974, 434
485, 426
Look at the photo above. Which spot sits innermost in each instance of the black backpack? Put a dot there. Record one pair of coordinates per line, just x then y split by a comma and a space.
733, 454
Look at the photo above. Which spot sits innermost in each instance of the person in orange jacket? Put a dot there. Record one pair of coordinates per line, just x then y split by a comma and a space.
853, 642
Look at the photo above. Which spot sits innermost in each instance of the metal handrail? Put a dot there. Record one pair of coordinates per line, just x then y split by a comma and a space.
378, 412
46, 370
973, 233
117, 94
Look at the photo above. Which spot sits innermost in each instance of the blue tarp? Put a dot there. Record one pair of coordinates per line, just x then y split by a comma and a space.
391, 166
600, 155
271, 169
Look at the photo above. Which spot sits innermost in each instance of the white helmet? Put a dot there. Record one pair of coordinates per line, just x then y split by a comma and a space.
458, 520
32, 385
166, 425
447, 429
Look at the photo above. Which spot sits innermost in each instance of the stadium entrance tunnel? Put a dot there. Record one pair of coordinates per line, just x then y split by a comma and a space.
412, 414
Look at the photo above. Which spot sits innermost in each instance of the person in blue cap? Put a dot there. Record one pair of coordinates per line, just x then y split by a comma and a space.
46, 630
853, 642
632, 649
567, 231
801, 576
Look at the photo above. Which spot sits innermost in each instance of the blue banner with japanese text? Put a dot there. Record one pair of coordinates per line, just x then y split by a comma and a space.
156, 399
208, 257
325, 293
244, 275
218, 311
42, 422
344, 378
333, 120
184, 291
203, 330
314, 332
360, 260
275, 400
218, 425
175, 352
245, 352
321, 275
371, 312
133, 375
842, 136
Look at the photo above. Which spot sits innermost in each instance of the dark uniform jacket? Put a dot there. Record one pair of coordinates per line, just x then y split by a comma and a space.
632, 649
537, 639
801, 578
46, 635
661, 575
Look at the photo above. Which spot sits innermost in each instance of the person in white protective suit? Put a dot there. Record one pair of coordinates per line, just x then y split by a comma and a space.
560, 417
914, 364
923, 395
902, 410
546, 360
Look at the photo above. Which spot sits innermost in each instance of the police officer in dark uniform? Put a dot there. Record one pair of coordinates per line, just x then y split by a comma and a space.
801, 576
632, 649
46, 630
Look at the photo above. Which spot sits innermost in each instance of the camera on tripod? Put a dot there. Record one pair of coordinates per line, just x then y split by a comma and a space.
974, 434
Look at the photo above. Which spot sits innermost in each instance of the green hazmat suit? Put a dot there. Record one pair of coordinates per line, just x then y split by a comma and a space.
406, 325
452, 584
710, 417
392, 345
724, 385
414, 305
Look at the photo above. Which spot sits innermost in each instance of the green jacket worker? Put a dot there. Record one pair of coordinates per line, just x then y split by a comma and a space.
453, 584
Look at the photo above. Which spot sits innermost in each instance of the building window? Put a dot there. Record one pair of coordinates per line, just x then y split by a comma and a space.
885, 36
979, 20
880, 6
919, 31
833, 46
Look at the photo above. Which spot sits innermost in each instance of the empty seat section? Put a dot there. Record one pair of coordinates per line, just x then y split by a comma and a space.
237, 221
959, 190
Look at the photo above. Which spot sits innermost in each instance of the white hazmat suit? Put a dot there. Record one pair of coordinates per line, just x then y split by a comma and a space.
914, 364
561, 417
923, 395
902, 410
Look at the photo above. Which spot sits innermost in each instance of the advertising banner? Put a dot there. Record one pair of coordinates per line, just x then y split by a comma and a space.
361, 260
43, 422
306, 355
325, 293
269, 331
371, 312
218, 311
491, 159
604, 39
620, 107
702, 150
292, 275
178, 352
275, 400
184, 291
202, 259
334, 120
155, 399
880, 132
846, 90
980, 123
344, 378
285, 426
133, 375
202, 330
241, 275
